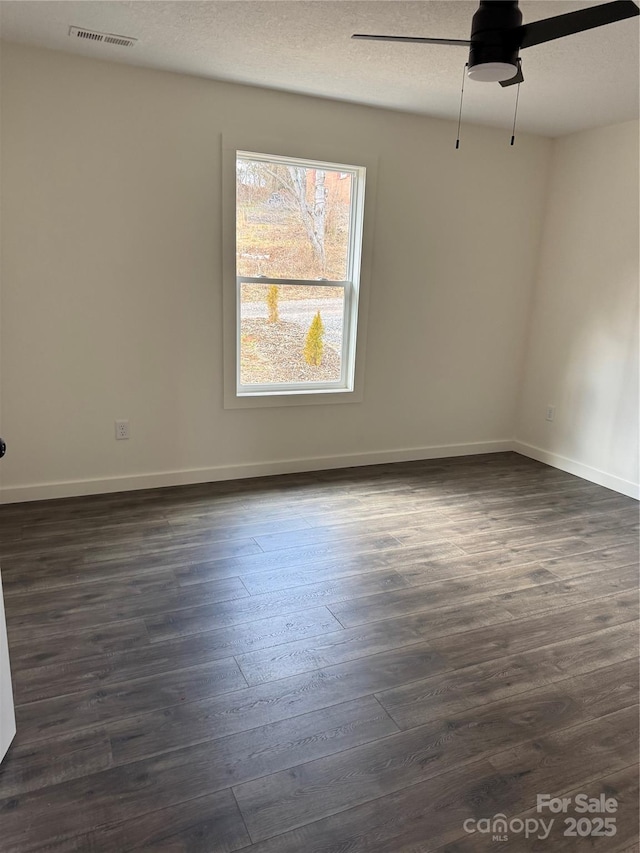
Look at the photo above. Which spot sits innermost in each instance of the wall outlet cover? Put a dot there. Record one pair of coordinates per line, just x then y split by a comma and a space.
122, 429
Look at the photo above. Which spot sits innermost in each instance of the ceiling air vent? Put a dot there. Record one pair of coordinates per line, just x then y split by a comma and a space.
105, 38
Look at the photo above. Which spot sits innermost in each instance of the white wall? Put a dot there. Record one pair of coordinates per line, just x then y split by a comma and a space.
583, 341
111, 281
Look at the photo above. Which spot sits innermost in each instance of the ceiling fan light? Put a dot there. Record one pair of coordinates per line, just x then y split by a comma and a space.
492, 72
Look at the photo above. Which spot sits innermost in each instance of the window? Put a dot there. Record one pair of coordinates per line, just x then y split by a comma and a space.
298, 245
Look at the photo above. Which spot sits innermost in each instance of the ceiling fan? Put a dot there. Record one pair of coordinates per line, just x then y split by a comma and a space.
498, 35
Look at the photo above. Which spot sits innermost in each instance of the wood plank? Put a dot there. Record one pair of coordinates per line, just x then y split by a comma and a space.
593, 531
413, 566
512, 515
327, 650
372, 608
242, 710
522, 602
426, 815
571, 545
132, 790
68, 609
193, 825
456, 618
397, 559
86, 595
309, 792
100, 548
485, 533
248, 755
73, 712
195, 619
421, 701
22, 573
113, 601
29, 767
592, 651
368, 524
203, 531
519, 635
407, 820
196, 571
105, 533
420, 569
75, 669
595, 742
183, 518
576, 496
622, 785
616, 557
27, 649
429, 699
386, 515
62, 568
186, 551
58, 530
615, 683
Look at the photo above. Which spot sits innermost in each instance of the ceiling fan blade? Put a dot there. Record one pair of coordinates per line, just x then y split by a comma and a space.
548, 29
415, 39
517, 78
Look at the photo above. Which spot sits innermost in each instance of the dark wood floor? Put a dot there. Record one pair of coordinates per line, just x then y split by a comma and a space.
343, 662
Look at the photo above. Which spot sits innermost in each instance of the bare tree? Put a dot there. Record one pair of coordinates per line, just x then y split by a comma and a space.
292, 180
313, 214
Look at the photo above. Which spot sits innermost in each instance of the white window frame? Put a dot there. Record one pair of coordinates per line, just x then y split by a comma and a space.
347, 356
350, 386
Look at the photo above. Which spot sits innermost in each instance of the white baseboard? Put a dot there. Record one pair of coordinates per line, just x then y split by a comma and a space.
76, 488
594, 475
105, 485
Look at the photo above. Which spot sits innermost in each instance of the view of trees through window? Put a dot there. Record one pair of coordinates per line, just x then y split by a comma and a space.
292, 222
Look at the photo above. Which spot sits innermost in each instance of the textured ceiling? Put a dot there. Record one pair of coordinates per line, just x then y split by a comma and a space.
304, 46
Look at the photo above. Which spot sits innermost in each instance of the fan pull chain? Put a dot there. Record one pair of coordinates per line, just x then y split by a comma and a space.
515, 113
464, 74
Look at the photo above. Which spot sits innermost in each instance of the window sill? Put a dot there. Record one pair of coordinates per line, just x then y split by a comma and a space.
270, 399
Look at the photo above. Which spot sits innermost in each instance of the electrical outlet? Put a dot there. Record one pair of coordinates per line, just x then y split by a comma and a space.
122, 430
551, 413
